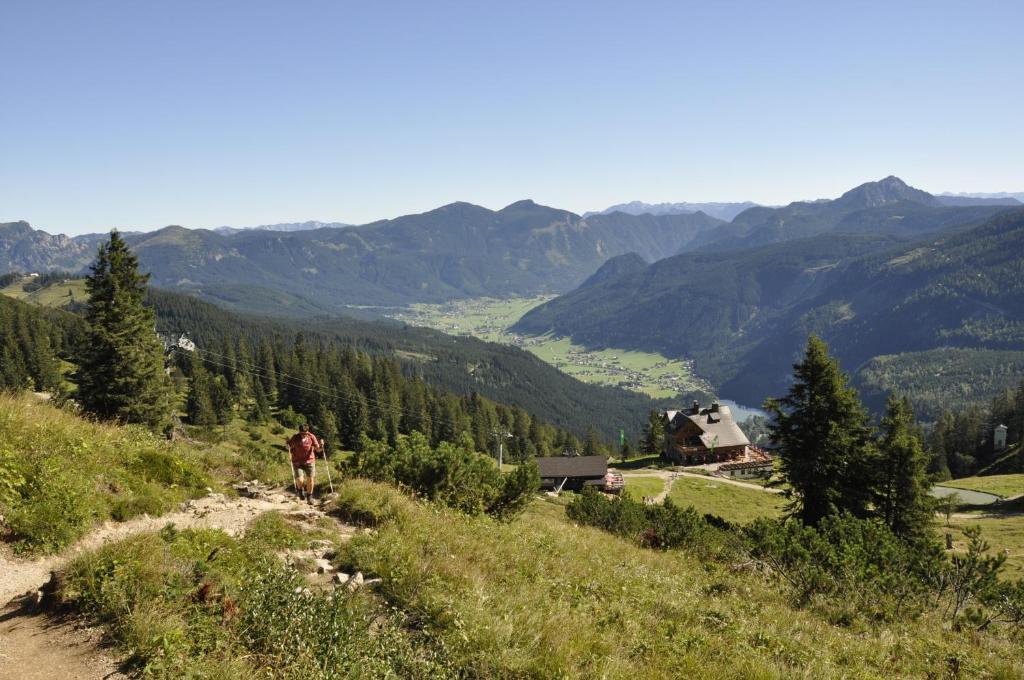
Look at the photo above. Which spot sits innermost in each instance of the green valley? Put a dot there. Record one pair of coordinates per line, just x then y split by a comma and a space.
490, 319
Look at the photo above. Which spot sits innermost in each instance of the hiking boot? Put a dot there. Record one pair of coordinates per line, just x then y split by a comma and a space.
302, 495
309, 499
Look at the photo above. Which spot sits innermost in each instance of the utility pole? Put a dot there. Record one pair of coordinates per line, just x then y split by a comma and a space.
500, 436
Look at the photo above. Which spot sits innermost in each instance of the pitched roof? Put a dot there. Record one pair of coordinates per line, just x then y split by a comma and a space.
572, 466
716, 425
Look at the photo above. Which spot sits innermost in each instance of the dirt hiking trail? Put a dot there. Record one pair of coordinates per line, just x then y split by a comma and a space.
36, 644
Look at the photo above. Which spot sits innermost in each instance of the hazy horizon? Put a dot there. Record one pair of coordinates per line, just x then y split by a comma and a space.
136, 116
149, 228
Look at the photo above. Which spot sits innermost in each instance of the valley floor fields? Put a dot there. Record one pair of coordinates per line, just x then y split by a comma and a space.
55, 294
489, 319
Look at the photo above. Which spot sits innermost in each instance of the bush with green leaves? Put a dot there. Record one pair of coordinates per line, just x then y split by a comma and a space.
858, 563
666, 525
452, 474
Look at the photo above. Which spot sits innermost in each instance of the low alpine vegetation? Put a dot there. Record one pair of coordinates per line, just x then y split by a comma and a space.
60, 474
454, 475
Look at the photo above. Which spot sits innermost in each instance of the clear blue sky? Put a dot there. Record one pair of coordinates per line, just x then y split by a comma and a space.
139, 114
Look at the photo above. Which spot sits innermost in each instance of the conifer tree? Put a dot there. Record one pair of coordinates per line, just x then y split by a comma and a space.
825, 440
198, 405
654, 433
121, 370
902, 499
260, 410
220, 398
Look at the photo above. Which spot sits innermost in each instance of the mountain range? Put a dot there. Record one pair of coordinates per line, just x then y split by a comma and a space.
458, 250
721, 211
887, 206
284, 226
887, 294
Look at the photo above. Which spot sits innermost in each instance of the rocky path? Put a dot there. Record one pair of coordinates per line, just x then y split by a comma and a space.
35, 644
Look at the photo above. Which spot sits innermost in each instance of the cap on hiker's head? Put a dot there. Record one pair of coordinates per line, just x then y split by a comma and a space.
304, 428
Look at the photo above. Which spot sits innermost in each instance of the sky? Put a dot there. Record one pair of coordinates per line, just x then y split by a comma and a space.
136, 114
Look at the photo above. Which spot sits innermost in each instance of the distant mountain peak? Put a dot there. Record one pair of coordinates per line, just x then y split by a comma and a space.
525, 203
885, 191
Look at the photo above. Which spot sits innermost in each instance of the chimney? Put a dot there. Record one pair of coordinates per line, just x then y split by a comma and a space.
696, 407
714, 407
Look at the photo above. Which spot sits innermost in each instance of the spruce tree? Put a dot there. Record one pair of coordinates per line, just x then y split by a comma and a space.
121, 371
198, 404
902, 499
654, 433
825, 440
220, 397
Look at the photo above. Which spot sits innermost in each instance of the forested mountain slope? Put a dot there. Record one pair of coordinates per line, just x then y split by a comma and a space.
459, 250
462, 365
742, 315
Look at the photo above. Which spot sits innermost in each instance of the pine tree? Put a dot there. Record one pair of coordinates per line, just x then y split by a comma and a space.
825, 440
121, 370
198, 405
260, 404
902, 499
220, 397
654, 433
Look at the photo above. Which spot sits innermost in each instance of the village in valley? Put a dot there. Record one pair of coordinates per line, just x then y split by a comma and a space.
489, 319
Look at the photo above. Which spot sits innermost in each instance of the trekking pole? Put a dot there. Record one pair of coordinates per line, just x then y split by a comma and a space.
323, 450
295, 481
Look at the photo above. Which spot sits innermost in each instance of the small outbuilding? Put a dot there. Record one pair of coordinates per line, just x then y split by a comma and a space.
572, 473
999, 438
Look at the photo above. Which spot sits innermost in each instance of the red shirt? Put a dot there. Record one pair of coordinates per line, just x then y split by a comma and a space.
303, 447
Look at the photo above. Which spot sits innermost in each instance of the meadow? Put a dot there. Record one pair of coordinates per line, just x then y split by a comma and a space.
1006, 486
728, 501
489, 319
56, 294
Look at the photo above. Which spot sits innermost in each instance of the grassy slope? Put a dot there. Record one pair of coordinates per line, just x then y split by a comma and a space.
728, 501
53, 295
59, 474
541, 598
1006, 486
537, 597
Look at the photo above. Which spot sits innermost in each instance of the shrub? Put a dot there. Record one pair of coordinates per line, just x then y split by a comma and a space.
858, 562
654, 526
451, 474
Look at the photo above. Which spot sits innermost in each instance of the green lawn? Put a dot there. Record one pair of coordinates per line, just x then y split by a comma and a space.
640, 486
1006, 486
728, 501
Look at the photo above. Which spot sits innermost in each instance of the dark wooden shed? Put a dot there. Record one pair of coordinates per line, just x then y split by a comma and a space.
572, 472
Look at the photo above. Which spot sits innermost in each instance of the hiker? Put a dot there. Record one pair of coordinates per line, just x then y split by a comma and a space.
303, 447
